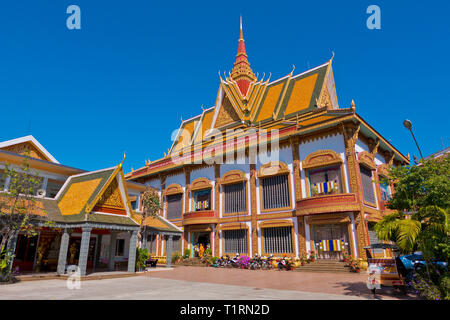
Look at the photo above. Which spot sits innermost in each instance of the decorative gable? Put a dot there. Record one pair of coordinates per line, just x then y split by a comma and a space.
227, 114
111, 200
24, 148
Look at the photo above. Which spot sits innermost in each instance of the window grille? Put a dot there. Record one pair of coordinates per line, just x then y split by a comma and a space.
277, 240
235, 241
174, 206
176, 244
367, 185
275, 192
235, 197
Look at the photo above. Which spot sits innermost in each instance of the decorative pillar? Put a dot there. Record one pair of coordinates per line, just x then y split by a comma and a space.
162, 180
217, 207
350, 132
187, 175
112, 250
296, 165
169, 250
132, 252
63, 248
84, 250
185, 239
301, 235
254, 224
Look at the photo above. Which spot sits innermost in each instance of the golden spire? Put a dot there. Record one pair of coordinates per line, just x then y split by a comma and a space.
242, 73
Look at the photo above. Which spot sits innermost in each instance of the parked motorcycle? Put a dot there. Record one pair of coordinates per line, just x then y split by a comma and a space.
256, 262
267, 263
284, 264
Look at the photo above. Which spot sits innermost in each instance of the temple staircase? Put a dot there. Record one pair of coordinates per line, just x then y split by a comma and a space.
324, 265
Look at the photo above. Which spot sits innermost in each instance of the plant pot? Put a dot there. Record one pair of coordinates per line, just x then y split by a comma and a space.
312, 260
358, 270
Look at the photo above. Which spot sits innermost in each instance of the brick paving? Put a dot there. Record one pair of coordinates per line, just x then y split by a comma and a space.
351, 284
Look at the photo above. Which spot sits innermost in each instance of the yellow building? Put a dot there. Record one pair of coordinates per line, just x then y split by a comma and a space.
94, 215
274, 167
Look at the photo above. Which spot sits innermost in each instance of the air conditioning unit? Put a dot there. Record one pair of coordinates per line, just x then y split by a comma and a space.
41, 193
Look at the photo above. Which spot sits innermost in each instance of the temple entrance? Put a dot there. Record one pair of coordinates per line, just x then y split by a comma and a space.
200, 240
331, 240
25, 253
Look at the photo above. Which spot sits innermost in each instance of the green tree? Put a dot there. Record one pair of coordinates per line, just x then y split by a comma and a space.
421, 220
18, 206
151, 206
421, 201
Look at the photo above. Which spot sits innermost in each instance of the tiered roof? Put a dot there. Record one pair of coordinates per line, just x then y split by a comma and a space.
294, 104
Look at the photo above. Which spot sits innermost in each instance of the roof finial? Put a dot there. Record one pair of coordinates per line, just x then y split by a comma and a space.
124, 155
241, 35
352, 106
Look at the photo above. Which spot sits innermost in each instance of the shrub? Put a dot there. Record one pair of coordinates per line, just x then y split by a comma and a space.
213, 260
176, 256
444, 285
187, 253
142, 256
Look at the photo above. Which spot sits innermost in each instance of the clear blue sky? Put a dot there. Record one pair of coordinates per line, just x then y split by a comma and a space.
135, 68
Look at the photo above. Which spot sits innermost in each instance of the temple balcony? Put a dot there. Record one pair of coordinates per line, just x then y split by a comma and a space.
336, 202
200, 217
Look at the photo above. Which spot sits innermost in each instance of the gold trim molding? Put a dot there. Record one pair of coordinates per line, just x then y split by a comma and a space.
172, 189
200, 183
272, 168
321, 158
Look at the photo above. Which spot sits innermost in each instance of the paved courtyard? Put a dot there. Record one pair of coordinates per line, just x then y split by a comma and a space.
193, 283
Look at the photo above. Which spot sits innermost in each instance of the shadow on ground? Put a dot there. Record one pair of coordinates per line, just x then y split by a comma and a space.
360, 289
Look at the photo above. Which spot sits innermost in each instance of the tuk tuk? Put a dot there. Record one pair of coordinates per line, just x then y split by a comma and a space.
389, 272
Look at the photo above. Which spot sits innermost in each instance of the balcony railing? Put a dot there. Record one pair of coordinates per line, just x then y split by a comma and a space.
329, 203
200, 217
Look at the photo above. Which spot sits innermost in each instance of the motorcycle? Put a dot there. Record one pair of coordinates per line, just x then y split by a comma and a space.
256, 262
233, 262
267, 263
283, 264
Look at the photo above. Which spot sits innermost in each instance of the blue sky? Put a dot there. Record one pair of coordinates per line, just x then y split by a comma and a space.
123, 82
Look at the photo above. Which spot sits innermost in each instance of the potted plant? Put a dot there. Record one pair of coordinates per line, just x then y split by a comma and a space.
303, 259
355, 266
312, 256
187, 253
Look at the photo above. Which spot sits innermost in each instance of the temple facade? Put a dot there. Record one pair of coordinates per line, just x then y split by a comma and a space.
89, 220
274, 167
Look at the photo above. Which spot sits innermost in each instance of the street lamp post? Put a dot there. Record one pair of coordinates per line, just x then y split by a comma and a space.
408, 125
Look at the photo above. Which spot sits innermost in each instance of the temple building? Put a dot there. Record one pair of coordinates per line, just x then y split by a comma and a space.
274, 167
86, 219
